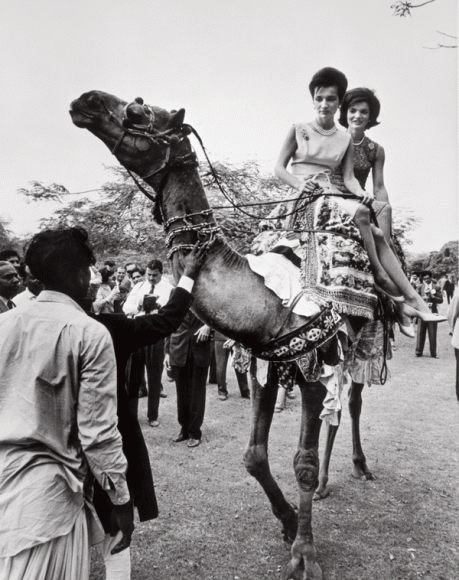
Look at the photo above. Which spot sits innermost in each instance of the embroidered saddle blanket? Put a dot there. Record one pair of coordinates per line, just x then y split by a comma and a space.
333, 264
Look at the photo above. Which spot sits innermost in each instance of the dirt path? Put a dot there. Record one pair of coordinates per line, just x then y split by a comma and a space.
216, 524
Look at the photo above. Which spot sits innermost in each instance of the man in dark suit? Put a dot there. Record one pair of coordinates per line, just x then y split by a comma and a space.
129, 335
448, 287
188, 353
9, 286
432, 294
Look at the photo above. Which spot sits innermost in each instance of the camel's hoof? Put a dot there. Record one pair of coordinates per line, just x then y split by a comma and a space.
359, 473
321, 493
296, 571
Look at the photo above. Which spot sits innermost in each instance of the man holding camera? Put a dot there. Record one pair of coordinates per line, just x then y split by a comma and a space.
157, 293
432, 294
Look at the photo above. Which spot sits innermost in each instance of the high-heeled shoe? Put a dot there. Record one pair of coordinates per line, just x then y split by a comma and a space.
424, 316
394, 298
407, 330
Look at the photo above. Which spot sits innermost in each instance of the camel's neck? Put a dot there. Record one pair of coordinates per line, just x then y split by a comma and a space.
228, 295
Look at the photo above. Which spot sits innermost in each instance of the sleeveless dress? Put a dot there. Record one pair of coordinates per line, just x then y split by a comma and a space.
319, 157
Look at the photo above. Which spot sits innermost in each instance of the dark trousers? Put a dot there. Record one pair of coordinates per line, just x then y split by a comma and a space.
221, 361
190, 382
456, 352
135, 378
449, 295
431, 328
154, 363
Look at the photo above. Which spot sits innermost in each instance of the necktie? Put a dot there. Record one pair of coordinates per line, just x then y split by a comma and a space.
152, 289
11, 304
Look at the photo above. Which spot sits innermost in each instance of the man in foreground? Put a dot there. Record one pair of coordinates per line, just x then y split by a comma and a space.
58, 423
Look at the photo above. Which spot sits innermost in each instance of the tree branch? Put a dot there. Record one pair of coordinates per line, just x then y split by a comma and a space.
404, 7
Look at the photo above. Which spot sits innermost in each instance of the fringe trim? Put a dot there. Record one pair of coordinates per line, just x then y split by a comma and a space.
342, 305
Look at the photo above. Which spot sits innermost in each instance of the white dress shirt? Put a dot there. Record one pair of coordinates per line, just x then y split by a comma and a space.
24, 298
162, 291
58, 420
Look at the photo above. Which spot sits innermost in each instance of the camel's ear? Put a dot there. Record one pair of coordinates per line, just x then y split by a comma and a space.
177, 118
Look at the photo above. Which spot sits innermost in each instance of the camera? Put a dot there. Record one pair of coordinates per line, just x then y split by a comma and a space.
150, 303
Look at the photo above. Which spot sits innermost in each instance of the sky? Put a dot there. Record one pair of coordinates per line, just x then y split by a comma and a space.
241, 69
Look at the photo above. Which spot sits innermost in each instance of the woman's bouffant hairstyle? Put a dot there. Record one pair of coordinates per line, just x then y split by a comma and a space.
360, 95
55, 257
329, 77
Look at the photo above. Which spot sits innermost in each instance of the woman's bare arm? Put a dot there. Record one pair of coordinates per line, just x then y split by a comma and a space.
286, 153
379, 189
350, 181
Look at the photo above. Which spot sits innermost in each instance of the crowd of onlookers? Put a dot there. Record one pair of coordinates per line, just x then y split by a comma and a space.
433, 291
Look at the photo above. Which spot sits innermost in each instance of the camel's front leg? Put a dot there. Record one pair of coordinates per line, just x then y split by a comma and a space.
330, 433
256, 454
303, 565
360, 469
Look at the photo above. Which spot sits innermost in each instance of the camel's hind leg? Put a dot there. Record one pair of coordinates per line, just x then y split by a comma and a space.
256, 454
303, 565
330, 433
360, 469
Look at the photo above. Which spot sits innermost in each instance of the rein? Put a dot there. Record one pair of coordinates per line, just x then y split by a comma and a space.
204, 230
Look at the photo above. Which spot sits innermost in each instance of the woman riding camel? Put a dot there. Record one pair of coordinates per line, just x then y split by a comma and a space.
318, 148
359, 111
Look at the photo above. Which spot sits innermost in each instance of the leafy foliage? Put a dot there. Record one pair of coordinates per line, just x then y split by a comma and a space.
443, 262
120, 219
7, 239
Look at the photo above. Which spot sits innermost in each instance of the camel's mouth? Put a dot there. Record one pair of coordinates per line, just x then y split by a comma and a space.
80, 116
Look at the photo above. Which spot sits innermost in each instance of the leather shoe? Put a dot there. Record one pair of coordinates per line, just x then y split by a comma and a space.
153, 423
246, 395
162, 394
222, 397
405, 326
180, 437
193, 442
424, 316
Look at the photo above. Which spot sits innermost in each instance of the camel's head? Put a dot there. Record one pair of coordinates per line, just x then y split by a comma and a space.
137, 134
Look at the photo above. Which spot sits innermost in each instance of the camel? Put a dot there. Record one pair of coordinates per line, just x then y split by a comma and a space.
153, 143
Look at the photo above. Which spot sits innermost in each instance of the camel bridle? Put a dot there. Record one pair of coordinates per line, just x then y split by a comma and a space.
205, 231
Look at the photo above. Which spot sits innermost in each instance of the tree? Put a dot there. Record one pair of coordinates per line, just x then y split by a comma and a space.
7, 239
404, 7
120, 218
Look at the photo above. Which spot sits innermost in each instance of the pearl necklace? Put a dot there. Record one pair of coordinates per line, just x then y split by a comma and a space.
325, 132
360, 142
